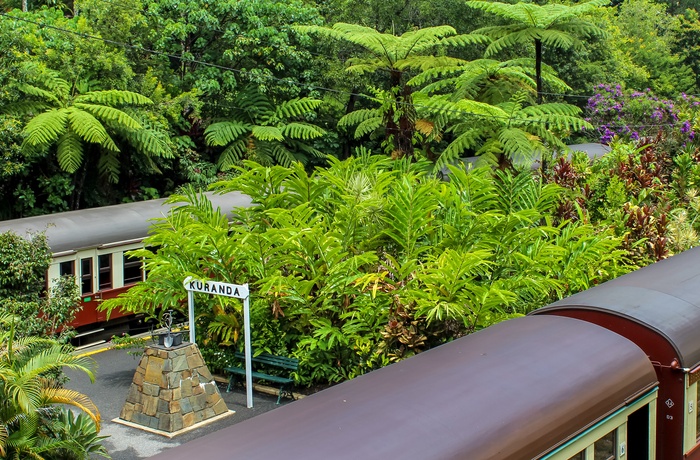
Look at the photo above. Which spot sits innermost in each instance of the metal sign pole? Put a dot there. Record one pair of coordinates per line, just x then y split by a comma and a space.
239, 291
190, 311
248, 353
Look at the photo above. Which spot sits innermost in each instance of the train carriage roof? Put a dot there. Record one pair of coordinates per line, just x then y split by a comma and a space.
663, 297
514, 390
89, 228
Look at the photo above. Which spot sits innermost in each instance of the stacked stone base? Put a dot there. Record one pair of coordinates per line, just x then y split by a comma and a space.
172, 390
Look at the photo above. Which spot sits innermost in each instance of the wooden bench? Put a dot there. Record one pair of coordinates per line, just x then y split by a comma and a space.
267, 360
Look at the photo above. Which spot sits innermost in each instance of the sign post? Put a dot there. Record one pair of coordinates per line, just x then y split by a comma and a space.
239, 291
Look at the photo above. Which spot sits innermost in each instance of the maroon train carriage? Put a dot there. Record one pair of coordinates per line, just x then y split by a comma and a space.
658, 308
528, 388
90, 244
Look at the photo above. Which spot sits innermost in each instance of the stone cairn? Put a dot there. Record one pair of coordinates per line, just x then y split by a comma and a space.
172, 390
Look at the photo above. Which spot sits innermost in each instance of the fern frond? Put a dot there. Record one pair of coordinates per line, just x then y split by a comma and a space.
557, 39
267, 133
297, 107
520, 13
368, 126
152, 142
510, 40
467, 140
465, 40
46, 127
219, 134
556, 108
424, 63
69, 152
25, 107
358, 116
35, 91
108, 165
303, 131
518, 143
232, 154
113, 97
89, 128
110, 115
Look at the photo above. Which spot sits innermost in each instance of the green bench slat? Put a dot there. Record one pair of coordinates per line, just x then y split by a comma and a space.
271, 360
265, 359
259, 375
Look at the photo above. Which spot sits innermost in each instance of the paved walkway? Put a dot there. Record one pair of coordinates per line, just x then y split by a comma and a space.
115, 371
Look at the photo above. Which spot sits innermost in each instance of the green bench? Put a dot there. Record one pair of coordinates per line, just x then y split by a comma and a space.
265, 360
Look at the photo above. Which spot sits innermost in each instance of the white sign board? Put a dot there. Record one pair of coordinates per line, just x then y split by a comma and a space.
239, 291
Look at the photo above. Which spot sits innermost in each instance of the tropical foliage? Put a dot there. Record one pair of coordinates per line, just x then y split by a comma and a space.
24, 260
69, 116
396, 56
370, 261
34, 423
554, 25
262, 131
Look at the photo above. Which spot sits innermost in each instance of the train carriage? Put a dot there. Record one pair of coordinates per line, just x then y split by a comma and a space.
657, 308
91, 244
532, 387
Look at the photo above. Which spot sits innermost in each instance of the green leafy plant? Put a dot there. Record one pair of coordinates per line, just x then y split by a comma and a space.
266, 132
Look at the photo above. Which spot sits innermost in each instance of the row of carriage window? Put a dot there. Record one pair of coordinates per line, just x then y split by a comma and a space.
132, 272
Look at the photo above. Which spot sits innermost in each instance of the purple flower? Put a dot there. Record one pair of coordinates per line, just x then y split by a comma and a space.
634, 136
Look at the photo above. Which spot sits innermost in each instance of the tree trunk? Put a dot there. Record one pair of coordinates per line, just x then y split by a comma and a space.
400, 134
538, 68
349, 139
25, 6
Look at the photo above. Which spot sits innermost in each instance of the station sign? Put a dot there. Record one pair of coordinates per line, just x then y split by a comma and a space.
239, 291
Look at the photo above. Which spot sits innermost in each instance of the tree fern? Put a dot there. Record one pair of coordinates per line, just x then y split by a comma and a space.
71, 118
261, 130
554, 25
394, 55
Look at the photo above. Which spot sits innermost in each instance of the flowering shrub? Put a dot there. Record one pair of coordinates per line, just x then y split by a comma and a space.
632, 115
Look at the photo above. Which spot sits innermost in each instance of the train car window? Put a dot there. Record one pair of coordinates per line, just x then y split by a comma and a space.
86, 275
104, 274
67, 268
132, 270
580, 456
604, 448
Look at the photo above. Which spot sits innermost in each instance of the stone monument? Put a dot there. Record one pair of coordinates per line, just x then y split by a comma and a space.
172, 391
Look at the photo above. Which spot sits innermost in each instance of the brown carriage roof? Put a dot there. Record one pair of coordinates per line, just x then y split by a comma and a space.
89, 228
512, 391
664, 297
